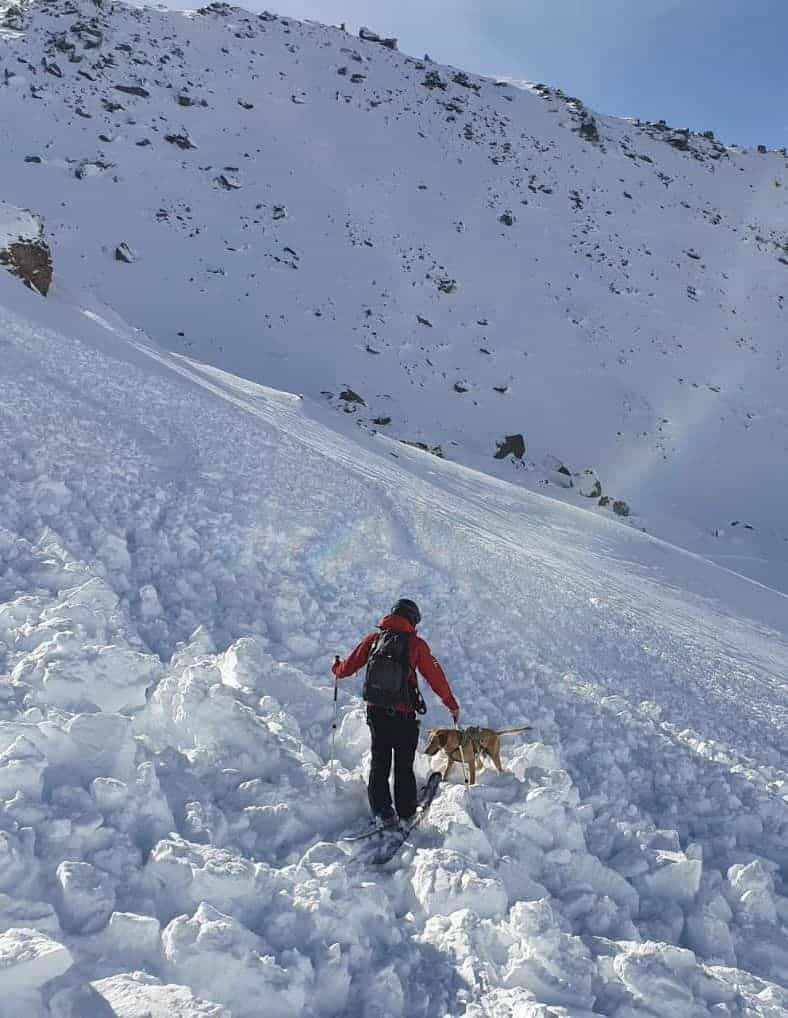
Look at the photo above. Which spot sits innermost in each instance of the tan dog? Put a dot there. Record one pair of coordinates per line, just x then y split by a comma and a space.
470, 746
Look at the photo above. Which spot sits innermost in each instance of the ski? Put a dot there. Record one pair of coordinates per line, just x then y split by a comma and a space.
391, 841
370, 831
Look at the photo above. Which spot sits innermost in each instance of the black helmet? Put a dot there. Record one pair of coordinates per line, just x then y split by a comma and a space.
408, 610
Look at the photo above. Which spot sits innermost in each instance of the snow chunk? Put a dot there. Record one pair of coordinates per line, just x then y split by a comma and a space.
138, 936
36, 915
86, 897
555, 966
752, 888
22, 769
138, 995
217, 955
183, 874
444, 881
674, 877
28, 959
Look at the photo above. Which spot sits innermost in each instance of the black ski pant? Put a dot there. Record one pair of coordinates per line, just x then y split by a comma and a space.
397, 735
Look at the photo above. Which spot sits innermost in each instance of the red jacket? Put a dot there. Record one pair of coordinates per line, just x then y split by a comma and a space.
419, 656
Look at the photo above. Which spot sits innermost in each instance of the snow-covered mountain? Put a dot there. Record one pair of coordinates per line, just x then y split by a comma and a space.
183, 549
169, 819
450, 259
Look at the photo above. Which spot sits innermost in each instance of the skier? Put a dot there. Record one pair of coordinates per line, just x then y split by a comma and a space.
393, 656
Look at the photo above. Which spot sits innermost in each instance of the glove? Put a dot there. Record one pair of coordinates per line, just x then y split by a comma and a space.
335, 665
455, 715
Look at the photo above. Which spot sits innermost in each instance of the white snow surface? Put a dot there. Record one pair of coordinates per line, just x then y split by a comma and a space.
183, 550
17, 224
474, 259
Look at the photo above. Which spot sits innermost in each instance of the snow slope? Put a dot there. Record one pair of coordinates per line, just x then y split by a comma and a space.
183, 551
472, 259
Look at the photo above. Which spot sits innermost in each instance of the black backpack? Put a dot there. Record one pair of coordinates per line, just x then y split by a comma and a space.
387, 682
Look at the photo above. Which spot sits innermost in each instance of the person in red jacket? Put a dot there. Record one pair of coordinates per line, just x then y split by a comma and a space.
395, 730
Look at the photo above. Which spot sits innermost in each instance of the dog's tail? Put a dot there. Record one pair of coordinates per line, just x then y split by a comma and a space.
512, 731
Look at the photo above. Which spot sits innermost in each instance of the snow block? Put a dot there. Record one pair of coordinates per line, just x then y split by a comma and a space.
752, 890
85, 899
34, 915
28, 959
444, 881
182, 874
219, 957
673, 877
22, 768
139, 995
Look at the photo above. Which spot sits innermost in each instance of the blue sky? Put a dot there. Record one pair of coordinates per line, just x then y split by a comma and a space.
705, 64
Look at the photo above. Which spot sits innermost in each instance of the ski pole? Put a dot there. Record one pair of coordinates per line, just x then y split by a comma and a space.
332, 758
462, 757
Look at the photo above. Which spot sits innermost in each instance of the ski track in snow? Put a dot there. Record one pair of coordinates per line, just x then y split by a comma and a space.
168, 528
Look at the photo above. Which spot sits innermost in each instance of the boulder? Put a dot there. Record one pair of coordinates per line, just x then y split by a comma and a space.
23, 249
590, 486
369, 36
349, 396
512, 445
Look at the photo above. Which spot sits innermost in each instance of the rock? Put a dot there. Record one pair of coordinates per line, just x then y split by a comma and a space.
424, 321
513, 445
507, 218
133, 90
229, 183
434, 80
762, 150
604, 501
462, 79
382, 421
559, 473
351, 397
123, 253
590, 486
13, 18
181, 140
435, 450
589, 130
447, 285
369, 36
459, 387
620, 507
23, 249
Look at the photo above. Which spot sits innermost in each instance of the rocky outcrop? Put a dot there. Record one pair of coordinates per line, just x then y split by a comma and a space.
23, 249
512, 445
369, 36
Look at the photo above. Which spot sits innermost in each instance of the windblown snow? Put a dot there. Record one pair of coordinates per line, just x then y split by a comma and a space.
183, 550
